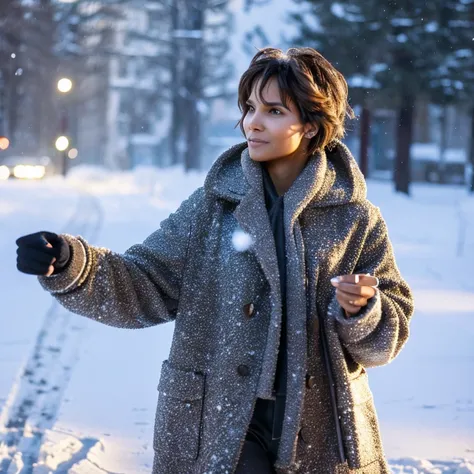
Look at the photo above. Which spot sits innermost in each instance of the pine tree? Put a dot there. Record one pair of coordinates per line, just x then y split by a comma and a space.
398, 46
463, 57
248, 4
423, 39
448, 76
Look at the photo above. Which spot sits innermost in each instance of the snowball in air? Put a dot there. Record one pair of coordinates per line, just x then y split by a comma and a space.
241, 241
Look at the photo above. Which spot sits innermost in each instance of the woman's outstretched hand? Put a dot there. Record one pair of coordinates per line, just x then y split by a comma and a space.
354, 291
42, 253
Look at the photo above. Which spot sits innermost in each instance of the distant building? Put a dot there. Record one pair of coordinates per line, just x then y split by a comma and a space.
122, 120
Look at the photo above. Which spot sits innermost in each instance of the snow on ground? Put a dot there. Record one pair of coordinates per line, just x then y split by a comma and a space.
425, 398
24, 208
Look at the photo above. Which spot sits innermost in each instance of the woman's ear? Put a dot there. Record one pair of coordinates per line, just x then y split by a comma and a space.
310, 130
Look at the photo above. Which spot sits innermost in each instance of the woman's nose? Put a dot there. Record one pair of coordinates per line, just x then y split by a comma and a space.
255, 123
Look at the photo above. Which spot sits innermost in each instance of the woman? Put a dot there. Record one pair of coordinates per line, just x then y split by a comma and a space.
267, 367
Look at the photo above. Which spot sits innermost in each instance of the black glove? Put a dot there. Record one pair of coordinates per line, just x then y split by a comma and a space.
35, 257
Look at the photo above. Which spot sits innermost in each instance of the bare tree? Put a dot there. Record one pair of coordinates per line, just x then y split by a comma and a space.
27, 64
11, 21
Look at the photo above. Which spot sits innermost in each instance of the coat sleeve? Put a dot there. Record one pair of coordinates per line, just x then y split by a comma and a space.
139, 288
376, 335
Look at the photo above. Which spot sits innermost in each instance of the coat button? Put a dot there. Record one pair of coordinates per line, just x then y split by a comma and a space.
243, 370
310, 381
249, 309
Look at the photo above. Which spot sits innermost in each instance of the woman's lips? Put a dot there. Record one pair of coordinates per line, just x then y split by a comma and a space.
256, 144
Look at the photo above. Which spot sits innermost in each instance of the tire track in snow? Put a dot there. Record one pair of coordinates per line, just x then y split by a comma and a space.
35, 398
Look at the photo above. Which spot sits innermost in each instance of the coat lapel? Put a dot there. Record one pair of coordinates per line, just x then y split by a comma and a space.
306, 188
302, 192
252, 216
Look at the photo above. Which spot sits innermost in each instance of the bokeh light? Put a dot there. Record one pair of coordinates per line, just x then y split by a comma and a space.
4, 172
64, 85
62, 143
4, 143
72, 154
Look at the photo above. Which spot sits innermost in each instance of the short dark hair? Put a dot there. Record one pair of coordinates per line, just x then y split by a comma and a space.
316, 87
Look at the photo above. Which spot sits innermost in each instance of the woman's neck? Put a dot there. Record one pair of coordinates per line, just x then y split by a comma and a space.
284, 171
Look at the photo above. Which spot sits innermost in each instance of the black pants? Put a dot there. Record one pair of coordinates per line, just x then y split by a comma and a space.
260, 449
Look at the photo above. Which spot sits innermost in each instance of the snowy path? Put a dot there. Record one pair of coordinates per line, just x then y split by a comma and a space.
105, 420
35, 397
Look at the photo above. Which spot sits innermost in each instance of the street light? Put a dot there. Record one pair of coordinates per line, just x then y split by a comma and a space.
62, 143
64, 85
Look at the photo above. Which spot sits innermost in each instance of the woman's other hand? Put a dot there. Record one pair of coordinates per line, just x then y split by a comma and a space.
42, 253
354, 291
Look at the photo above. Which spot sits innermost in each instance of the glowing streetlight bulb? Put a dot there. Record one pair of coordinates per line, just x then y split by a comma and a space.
64, 85
62, 143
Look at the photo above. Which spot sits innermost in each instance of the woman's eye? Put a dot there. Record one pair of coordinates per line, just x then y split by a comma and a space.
272, 111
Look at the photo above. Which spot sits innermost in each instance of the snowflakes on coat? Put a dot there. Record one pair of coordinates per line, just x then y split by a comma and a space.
211, 268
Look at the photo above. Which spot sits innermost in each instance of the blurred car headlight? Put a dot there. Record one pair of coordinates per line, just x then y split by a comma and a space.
4, 172
29, 171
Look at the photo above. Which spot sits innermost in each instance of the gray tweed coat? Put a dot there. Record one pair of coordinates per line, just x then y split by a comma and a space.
226, 304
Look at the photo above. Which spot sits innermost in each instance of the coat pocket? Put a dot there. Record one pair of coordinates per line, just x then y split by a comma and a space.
179, 412
363, 438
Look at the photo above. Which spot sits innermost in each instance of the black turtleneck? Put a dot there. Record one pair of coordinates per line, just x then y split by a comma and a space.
274, 205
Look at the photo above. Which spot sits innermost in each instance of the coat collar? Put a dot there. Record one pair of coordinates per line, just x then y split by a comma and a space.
330, 178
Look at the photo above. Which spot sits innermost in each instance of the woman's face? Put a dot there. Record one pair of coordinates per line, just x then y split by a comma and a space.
278, 131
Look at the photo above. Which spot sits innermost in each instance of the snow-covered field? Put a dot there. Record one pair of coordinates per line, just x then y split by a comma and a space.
98, 416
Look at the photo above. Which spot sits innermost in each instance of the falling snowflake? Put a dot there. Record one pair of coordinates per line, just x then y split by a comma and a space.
241, 241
